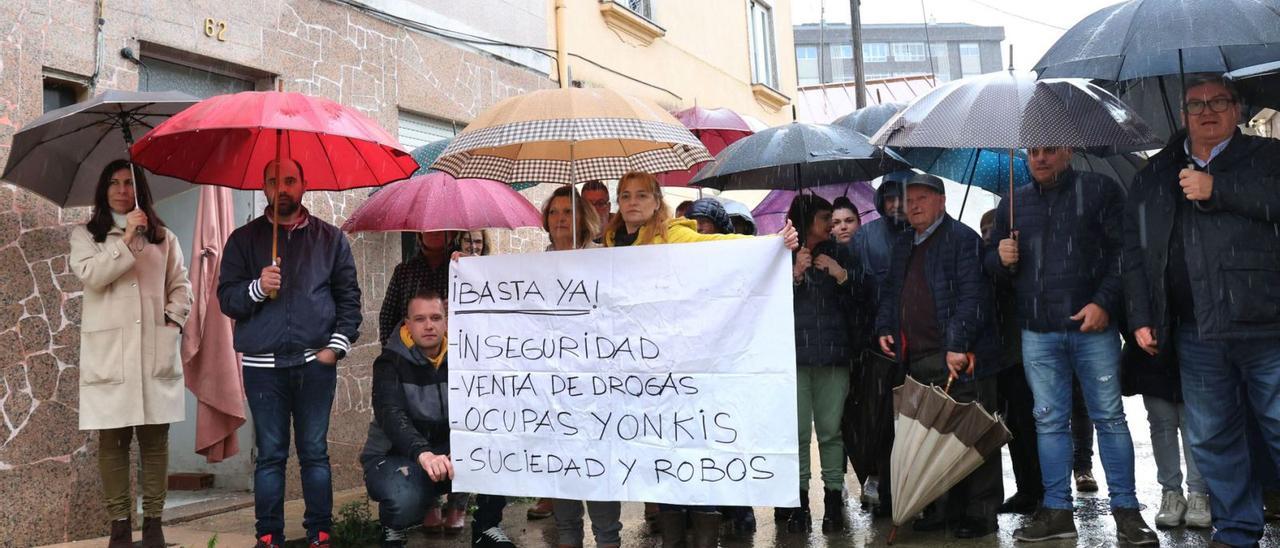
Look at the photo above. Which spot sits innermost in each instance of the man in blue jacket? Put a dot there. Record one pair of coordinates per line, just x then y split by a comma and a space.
935, 317
1202, 275
1063, 259
295, 317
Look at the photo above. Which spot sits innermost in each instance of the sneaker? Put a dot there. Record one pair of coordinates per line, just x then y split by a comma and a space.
1172, 508
1198, 516
870, 492
1047, 524
321, 541
392, 538
1085, 482
492, 537
267, 541
1131, 529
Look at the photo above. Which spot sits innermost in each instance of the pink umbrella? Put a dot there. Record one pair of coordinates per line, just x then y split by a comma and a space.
437, 201
717, 128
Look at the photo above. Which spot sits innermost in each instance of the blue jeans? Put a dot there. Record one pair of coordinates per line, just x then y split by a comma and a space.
1050, 360
303, 394
1213, 376
402, 490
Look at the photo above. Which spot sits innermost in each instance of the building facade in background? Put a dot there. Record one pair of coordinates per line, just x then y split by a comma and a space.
421, 68
824, 53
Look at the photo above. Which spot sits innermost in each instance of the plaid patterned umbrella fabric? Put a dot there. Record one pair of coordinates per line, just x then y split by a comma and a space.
570, 135
1013, 110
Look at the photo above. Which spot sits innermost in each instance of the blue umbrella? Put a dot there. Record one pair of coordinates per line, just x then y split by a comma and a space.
985, 168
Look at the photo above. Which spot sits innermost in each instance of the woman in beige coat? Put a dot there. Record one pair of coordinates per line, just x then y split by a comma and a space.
136, 298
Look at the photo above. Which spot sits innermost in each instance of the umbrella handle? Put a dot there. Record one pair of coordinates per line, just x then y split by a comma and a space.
893, 535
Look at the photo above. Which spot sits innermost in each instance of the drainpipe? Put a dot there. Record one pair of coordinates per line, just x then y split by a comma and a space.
98, 43
562, 53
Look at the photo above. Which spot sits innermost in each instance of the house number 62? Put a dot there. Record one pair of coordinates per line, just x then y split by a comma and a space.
215, 29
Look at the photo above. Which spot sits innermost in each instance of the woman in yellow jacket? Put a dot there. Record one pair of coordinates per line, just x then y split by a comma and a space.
643, 219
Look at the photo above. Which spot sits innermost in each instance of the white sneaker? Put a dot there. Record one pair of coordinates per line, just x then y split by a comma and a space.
1198, 515
1172, 509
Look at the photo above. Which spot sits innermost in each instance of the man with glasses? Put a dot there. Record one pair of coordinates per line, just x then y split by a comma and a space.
1063, 261
596, 194
1202, 277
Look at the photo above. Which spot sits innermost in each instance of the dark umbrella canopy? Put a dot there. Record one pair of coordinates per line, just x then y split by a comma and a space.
1258, 85
1012, 110
60, 155
427, 154
868, 120
1143, 38
797, 155
988, 169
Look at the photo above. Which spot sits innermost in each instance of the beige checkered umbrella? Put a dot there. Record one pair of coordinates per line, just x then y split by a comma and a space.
937, 443
570, 135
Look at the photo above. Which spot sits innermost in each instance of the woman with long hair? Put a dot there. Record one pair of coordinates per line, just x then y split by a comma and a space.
823, 305
136, 299
845, 220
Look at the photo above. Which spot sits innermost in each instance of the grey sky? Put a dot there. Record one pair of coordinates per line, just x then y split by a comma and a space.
1030, 39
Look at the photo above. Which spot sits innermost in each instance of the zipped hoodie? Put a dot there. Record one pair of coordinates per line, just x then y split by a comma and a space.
410, 400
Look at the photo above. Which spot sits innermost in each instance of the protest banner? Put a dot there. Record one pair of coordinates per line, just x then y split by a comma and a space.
656, 373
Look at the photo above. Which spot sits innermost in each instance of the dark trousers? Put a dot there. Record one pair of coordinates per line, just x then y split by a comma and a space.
978, 496
404, 492
1081, 430
1014, 401
302, 395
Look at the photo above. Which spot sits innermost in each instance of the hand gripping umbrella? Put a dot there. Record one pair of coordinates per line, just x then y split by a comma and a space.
228, 140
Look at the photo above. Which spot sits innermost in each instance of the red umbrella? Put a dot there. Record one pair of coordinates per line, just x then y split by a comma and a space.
717, 128
437, 201
227, 140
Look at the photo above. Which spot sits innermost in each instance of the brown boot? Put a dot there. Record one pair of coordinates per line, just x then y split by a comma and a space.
672, 526
121, 534
152, 533
706, 529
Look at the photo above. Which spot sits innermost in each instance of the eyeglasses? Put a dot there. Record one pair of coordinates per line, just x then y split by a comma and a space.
1217, 104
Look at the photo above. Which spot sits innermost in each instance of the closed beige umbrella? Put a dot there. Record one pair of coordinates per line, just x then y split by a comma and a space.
570, 136
937, 443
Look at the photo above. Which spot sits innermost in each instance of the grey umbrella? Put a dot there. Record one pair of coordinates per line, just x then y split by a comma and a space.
1012, 110
1142, 38
797, 155
868, 120
1144, 48
60, 155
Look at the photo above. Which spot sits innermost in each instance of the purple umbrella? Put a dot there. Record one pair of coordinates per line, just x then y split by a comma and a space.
771, 214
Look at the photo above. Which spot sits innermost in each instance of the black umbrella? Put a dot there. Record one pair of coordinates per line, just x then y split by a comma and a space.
868, 120
1142, 38
1258, 85
60, 155
1146, 47
797, 155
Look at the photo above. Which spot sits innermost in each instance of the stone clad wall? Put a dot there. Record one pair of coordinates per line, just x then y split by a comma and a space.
48, 473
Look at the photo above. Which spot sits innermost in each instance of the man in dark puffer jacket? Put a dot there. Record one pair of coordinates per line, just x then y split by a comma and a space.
406, 458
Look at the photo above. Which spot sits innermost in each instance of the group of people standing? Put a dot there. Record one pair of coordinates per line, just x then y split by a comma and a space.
1185, 269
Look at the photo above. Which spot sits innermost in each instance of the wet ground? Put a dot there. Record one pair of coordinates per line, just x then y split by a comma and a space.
1093, 520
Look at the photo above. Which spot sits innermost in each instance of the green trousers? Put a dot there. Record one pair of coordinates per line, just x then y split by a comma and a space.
113, 465
820, 395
